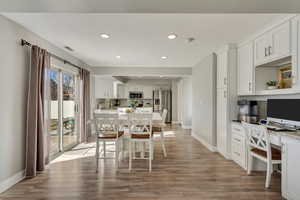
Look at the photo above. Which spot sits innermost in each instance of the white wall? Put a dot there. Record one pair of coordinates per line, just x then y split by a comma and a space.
185, 102
204, 100
174, 101
14, 64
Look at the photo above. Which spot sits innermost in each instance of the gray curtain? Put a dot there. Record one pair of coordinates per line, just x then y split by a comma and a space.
86, 105
36, 151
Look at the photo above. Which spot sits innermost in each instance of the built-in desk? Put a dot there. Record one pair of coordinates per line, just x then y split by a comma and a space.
289, 142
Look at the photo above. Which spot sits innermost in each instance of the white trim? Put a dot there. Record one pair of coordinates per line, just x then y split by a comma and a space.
202, 141
6, 184
186, 126
175, 122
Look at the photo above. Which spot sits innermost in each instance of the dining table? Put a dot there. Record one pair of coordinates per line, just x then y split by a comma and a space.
156, 116
156, 121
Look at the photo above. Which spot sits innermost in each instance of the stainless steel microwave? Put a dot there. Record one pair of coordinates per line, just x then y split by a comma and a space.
136, 95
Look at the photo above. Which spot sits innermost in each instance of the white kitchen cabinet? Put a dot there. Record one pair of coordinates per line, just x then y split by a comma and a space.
280, 46
296, 51
148, 92
222, 70
226, 97
221, 121
290, 168
261, 45
245, 69
121, 91
239, 145
273, 45
104, 87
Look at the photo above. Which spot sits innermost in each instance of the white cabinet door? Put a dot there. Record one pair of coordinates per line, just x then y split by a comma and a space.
261, 45
222, 121
245, 69
121, 91
280, 46
222, 61
273, 45
104, 88
296, 51
148, 92
290, 168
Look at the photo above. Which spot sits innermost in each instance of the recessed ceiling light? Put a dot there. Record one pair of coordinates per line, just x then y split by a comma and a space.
118, 57
164, 57
104, 35
172, 36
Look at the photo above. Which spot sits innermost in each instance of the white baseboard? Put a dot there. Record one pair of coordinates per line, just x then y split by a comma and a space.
202, 141
186, 126
6, 184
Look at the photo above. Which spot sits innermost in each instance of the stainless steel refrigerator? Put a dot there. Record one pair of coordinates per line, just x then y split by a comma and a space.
162, 99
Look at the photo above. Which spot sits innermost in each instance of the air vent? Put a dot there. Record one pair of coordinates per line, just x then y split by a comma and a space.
69, 48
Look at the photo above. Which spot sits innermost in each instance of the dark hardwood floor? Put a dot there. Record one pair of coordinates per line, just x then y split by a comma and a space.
190, 172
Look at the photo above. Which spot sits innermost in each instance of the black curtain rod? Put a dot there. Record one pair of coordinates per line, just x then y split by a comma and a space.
26, 43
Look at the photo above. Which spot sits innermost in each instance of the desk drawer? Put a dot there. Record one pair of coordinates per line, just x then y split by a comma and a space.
238, 138
238, 150
237, 128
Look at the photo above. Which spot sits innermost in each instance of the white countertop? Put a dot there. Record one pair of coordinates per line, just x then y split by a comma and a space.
292, 134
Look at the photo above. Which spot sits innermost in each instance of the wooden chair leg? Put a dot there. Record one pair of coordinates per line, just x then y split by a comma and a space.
104, 149
269, 174
250, 163
162, 139
150, 155
133, 145
97, 155
130, 155
117, 154
122, 148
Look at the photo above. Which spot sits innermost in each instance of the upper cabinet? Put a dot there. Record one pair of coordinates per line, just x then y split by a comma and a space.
222, 60
148, 92
296, 51
245, 69
273, 45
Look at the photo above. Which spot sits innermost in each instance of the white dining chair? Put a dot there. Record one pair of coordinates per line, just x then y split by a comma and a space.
159, 129
259, 146
140, 132
107, 129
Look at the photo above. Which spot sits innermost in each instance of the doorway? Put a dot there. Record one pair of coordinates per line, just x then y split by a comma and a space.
62, 102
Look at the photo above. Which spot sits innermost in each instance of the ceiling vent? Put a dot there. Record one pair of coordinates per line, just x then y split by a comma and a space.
69, 48
190, 39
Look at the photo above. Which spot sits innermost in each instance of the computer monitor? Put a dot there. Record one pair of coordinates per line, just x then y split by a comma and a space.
284, 111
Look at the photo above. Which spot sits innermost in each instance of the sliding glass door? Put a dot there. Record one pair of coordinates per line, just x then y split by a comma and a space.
62, 110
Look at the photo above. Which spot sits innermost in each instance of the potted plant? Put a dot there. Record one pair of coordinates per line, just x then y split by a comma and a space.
271, 85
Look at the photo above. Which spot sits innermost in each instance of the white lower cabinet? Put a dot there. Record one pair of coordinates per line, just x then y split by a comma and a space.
239, 145
290, 168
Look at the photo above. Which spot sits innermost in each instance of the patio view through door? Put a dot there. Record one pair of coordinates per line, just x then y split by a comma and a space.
63, 110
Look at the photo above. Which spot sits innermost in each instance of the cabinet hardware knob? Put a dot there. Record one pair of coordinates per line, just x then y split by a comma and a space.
269, 51
225, 94
225, 81
250, 86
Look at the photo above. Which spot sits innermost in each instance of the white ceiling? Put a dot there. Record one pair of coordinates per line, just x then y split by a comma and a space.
151, 6
141, 39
